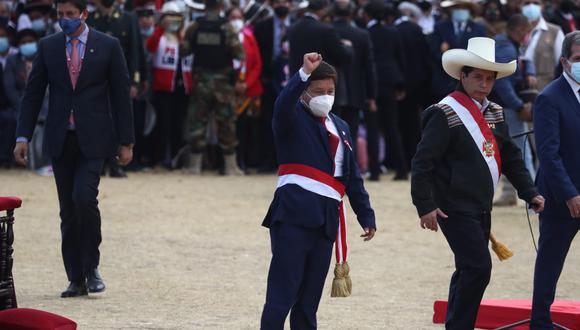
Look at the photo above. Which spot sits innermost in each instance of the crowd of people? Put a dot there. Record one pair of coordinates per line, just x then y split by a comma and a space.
206, 74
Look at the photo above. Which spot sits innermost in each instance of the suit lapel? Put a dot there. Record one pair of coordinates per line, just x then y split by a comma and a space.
575, 105
343, 137
61, 57
323, 133
86, 59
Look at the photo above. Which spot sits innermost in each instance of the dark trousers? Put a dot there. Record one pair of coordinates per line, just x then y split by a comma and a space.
468, 237
300, 261
389, 117
556, 235
267, 147
141, 148
372, 129
7, 135
77, 182
248, 141
410, 124
351, 116
170, 108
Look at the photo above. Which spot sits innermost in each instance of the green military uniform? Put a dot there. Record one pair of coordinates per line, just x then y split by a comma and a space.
123, 26
215, 44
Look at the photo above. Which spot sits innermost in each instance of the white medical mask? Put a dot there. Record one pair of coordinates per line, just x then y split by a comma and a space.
575, 70
238, 24
321, 105
460, 15
532, 11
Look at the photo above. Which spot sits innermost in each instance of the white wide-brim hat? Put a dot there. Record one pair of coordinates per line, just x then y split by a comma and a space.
480, 54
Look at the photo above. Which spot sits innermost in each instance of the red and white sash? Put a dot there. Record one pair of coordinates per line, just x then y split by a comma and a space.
165, 66
323, 184
471, 116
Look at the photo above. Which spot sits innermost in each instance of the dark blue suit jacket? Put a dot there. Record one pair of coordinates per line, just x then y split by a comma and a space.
100, 102
557, 131
444, 38
302, 139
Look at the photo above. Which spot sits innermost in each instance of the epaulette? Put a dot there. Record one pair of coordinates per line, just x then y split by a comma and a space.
453, 119
494, 113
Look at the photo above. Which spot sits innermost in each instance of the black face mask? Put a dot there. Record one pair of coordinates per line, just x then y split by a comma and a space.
107, 3
281, 11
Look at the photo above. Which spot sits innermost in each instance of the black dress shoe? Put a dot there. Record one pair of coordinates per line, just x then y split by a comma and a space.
117, 172
401, 177
95, 282
75, 289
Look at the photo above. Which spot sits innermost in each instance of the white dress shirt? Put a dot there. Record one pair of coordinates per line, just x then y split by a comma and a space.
535, 36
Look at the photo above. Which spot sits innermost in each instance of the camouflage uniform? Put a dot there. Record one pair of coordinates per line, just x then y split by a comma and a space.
213, 90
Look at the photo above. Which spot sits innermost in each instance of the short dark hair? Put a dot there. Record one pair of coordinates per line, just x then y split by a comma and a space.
375, 9
26, 33
80, 4
516, 21
343, 9
316, 5
571, 39
324, 71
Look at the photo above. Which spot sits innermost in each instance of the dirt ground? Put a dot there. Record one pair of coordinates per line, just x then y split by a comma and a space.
182, 252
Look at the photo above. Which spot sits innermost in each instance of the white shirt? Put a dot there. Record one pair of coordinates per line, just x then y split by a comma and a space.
427, 23
331, 128
535, 36
483, 106
573, 84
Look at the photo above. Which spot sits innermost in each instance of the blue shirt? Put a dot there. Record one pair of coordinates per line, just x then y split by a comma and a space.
82, 45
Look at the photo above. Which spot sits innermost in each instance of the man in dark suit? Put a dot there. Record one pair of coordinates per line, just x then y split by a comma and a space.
390, 65
557, 131
271, 35
89, 120
317, 168
356, 88
309, 34
450, 34
417, 75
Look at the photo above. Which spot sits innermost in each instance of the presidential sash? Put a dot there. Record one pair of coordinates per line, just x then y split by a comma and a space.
482, 136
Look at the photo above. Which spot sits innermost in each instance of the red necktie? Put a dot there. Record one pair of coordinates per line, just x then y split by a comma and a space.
74, 70
333, 142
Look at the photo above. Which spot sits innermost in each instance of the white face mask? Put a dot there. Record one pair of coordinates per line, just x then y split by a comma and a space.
321, 105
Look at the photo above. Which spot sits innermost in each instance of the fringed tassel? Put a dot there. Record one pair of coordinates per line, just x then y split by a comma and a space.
502, 251
341, 284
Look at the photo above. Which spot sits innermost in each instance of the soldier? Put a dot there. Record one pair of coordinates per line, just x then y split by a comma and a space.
115, 22
215, 44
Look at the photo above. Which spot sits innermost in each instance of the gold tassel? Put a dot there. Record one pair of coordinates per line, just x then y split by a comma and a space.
347, 277
339, 283
502, 251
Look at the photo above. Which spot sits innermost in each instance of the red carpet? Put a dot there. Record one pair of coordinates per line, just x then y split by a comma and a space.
496, 313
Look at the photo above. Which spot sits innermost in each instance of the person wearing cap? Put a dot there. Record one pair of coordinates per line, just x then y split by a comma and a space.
172, 82
317, 167
122, 25
464, 149
215, 45
417, 75
89, 119
453, 32
557, 132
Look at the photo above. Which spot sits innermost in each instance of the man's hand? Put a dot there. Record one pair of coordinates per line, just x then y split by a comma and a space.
537, 204
526, 113
531, 81
125, 155
429, 220
369, 234
574, 206
21, 152
373, 105
311, 62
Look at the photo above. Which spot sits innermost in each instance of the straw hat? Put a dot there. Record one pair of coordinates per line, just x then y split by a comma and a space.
480, 54
458, 3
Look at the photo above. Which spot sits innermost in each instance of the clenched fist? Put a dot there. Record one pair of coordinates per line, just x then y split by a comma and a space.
311, 62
